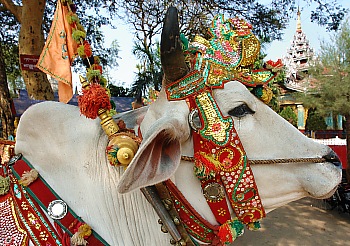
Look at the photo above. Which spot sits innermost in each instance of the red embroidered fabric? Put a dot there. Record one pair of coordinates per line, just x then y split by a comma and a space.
193, 222
42, 192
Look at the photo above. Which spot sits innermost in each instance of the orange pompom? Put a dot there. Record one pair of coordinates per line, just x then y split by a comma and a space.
92, 100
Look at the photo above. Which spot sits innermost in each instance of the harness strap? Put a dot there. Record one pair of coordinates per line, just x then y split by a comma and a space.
216, 199
32, 217
43, 194
165, 196
193, 222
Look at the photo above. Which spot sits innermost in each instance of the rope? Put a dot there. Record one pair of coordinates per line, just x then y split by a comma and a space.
273, 161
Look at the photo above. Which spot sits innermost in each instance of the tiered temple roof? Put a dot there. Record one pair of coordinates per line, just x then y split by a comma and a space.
298, 60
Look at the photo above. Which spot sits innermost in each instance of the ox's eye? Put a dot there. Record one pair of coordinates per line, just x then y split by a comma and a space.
240, 111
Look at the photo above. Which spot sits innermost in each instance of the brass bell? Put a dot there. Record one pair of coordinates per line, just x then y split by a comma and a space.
121, 149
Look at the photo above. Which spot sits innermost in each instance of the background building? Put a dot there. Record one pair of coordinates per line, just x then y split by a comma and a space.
299, 59
300, 56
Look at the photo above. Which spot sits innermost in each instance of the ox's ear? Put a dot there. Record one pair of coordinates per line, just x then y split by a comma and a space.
132, 118
157, 158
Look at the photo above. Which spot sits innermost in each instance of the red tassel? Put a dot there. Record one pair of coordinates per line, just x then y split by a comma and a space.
225, 234
92, 100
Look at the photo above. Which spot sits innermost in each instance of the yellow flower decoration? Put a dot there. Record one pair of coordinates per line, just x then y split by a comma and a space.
266, 95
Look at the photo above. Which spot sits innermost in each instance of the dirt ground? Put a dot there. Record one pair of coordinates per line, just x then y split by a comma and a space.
300, 223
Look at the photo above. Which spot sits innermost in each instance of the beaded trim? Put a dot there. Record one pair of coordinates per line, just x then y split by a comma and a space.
31, 215
11, 232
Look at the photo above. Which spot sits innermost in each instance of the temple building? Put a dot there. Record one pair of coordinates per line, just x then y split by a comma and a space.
299, 58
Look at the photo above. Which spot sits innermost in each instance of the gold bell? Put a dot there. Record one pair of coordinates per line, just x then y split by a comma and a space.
124, 148
121, 148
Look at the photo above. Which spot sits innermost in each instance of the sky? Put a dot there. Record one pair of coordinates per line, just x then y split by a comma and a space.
314, 33
124, 74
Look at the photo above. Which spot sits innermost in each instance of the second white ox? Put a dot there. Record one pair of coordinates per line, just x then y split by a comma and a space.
68, 150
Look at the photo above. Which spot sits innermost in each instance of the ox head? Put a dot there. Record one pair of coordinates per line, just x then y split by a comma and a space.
263, 133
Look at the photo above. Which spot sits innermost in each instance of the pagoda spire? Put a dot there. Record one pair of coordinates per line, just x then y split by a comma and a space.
298, 60
299, 21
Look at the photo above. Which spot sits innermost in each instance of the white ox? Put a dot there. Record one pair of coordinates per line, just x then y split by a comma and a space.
68, 151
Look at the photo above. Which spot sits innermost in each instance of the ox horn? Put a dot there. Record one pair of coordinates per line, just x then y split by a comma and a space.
172, 57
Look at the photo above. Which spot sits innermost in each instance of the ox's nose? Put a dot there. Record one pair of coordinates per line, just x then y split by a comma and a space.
333, 158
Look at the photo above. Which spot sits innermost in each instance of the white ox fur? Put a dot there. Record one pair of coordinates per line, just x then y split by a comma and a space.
68, 150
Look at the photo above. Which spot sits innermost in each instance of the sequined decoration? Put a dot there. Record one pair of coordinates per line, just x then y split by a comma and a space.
32, 217
225, 162
188, 85
11, 232
229, 54
216, 128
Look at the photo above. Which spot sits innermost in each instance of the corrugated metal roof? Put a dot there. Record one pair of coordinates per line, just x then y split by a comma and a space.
23, 102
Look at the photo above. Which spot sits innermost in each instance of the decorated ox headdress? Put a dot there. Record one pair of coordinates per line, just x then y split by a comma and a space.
228, 55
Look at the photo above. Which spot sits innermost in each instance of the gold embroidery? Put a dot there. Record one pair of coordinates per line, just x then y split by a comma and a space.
215, 128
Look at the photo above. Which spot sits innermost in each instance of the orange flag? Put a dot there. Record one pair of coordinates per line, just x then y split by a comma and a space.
59, 52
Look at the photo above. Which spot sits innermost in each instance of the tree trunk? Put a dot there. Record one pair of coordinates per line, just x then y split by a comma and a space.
7, 119
31, 42
347, 130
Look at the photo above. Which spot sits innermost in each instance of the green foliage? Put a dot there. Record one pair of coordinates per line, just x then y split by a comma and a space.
329, 90
288, 114
9, 28
14, 77
273, 84
329, 14
268, 21
150, 72
315, 121
119, 91
113, 52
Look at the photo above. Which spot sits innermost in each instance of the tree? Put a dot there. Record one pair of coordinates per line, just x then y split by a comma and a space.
33, 20
118, 91
331, 90
31, 42
288, 114
13, 72
23, 28
315, 121
7, 119
150, 71
111, 60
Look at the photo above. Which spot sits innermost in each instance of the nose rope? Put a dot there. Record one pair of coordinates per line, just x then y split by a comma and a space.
272, 161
